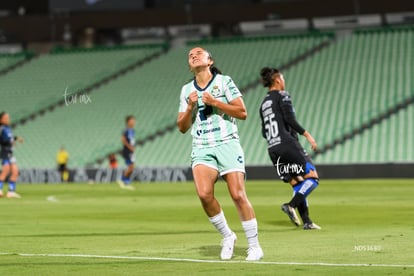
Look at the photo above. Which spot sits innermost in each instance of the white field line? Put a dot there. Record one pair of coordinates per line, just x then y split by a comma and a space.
206, 261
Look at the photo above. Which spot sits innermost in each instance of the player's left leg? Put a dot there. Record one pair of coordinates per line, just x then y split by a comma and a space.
301, 192
125, 181
231, 167
235, 184
303, 178
3, 175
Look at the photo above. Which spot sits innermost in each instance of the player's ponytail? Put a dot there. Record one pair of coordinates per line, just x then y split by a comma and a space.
214, 70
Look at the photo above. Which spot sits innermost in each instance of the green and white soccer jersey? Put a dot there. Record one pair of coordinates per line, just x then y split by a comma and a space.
211, 126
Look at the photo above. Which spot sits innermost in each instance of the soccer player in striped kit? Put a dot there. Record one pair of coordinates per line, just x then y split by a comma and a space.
210, 105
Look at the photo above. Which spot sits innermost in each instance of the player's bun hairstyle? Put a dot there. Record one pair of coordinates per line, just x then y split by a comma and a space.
267, 75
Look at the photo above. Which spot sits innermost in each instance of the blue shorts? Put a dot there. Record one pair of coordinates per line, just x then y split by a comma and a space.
8, 161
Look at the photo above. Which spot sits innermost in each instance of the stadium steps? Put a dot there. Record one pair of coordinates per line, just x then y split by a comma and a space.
369, 125
84, 86
180, 142
392, 100
356, 79
10, 62
346, 86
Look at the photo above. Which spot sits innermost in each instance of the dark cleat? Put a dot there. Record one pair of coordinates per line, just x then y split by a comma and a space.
290, 211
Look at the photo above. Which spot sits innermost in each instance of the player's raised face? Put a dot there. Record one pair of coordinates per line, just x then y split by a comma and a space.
5, 119
198, 57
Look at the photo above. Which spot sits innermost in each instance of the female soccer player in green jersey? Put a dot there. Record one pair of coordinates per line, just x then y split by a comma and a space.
210, 104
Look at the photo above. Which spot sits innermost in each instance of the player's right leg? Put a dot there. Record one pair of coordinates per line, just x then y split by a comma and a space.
3, 175
125, 181
205, 176
127, 177
301, 192
307, 222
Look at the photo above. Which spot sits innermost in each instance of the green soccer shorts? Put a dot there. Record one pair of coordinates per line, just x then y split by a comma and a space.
225, 158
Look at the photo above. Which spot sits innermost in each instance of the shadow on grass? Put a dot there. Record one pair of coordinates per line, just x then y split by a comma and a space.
280, 223
214, 251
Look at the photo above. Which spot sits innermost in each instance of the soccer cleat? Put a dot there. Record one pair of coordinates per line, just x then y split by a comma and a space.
129, 187
227, 247
121, 184
311, 226
290, 211
254, 253
13, 195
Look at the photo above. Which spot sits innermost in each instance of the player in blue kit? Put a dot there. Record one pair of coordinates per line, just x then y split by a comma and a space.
210, 105
128, 152
9, 166
280, 129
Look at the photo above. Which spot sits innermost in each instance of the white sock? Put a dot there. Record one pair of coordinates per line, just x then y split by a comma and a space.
250, 228
220, 223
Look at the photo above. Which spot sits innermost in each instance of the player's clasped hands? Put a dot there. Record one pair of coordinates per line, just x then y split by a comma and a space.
193, 98
208, 98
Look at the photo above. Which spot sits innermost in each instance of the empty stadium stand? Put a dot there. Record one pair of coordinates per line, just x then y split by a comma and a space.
43, 81
10, 61
150, 92
337, 89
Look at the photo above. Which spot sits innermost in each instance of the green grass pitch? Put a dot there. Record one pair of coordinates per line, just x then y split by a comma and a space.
160, 229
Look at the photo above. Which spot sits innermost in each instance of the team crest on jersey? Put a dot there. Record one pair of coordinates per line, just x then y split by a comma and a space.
216, 91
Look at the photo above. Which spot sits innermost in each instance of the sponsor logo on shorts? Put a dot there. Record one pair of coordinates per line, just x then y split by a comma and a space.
240, 159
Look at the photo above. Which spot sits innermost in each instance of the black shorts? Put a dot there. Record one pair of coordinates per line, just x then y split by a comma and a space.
6, 154
129, 157
62, 167
290, 160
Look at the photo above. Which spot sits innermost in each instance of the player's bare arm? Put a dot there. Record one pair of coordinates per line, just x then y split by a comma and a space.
311, 140
184, 119
235, 108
